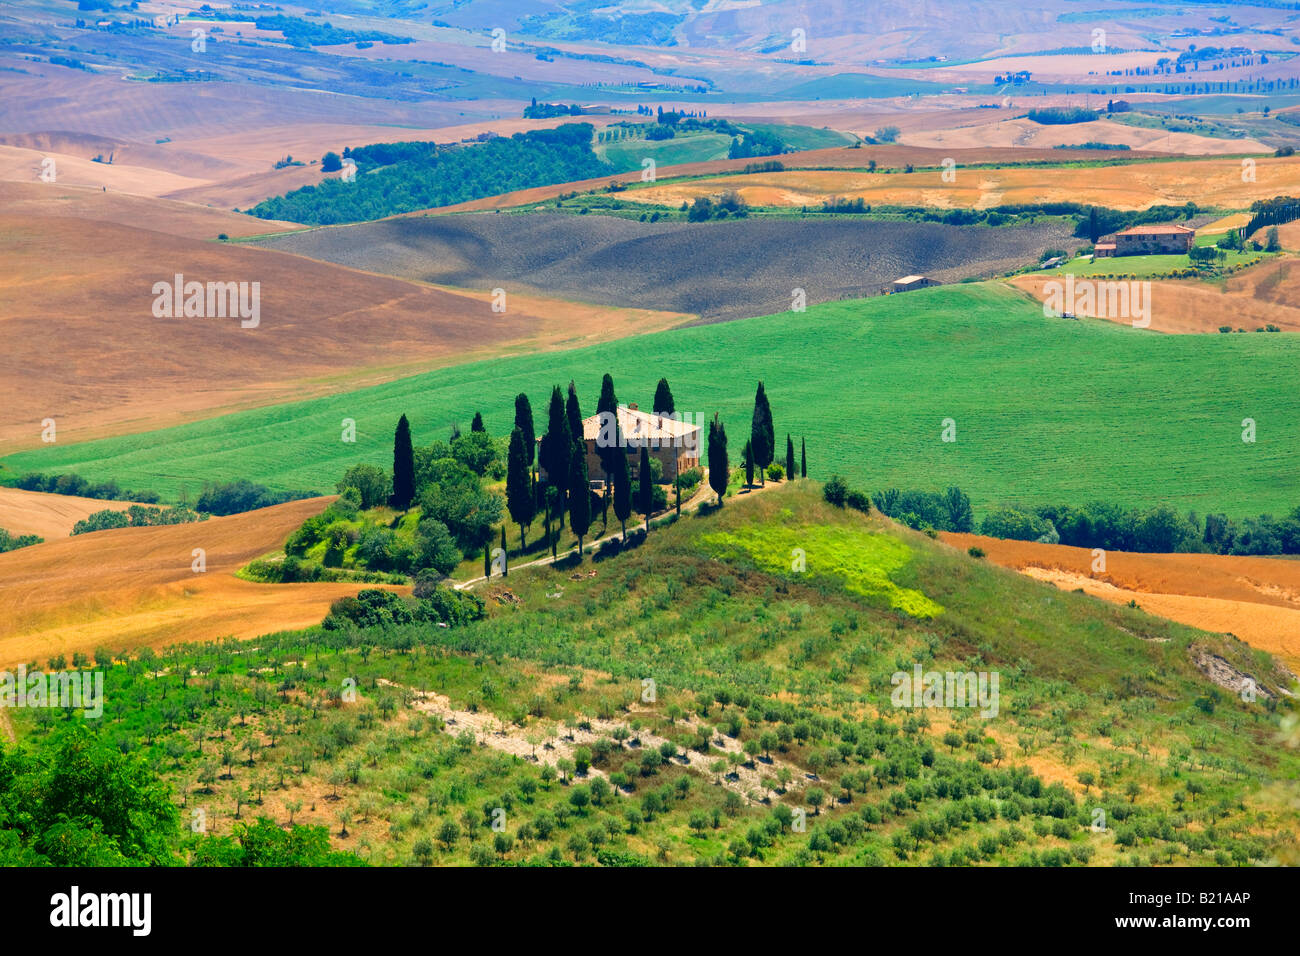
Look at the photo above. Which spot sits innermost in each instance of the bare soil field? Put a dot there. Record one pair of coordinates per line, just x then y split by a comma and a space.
1135, 186
36, 201
1256, 599
143, 591
50, 516
1025, 132
84, 347
1267, 294
717, 271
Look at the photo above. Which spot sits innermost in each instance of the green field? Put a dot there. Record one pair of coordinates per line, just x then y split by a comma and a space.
1146, 267
1045, 410
684, 148
804, 137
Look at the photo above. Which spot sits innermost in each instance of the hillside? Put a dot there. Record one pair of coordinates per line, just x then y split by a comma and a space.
83, 270
688, 701
145, 591
1207, 182
1045, 410
715, 270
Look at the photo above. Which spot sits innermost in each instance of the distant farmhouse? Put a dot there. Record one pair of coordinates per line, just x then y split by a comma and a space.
674, 442
908, 283
1169, 240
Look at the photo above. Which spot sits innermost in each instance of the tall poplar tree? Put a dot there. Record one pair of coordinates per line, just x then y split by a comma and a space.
803, 457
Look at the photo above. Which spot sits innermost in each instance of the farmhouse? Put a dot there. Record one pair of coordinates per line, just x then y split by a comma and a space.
1167, 240
674, 442
908, 283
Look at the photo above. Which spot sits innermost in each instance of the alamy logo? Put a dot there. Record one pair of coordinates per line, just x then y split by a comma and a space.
73, 909
1099, 300
215, 300
66, 689
937, 689
657, 434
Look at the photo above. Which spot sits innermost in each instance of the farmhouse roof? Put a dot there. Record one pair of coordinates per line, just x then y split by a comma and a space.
907, 280
634, 423
1167, 229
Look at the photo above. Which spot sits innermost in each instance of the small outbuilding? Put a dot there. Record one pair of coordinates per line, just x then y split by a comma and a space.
908, 283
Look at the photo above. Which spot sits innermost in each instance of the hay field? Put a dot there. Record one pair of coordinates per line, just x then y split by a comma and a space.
84, 348
1026, 133
1207, 182
1267, 294
1256, 599
143, 591
50, 516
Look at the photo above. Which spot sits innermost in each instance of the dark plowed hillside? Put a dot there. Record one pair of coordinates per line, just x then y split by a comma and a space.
720, 270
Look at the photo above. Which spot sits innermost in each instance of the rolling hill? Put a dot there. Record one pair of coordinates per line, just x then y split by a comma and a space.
1046, 410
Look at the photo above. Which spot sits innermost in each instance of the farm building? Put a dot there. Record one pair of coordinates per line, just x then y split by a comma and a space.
1164, 240
674, 442
908, 283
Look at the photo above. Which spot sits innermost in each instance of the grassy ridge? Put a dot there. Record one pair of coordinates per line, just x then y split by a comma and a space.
1045, 410
764, 675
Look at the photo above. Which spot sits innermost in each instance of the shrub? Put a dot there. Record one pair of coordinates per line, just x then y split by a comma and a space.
12, 542
1018, 526
836, 491
371, 482
238, 496
975, 551
775, 472
858, 501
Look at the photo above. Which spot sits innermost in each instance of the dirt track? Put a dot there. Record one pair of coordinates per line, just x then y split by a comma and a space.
1257, 599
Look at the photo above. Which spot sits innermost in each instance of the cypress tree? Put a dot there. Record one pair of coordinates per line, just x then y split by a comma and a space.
520, 500
573, 413
403, 466
608, 405
663, 403
487, 554
761, 435
677, 490
719, 467
579, 496
505, 552
789, 456
477, 424
524, 422
646, 486
557, 449
622, 493
803, 457
747, 454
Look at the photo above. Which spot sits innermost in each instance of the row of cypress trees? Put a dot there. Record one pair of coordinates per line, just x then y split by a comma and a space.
562, 454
